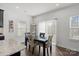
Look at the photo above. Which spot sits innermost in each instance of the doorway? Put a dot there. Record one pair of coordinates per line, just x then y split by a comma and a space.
48, 27
21, 30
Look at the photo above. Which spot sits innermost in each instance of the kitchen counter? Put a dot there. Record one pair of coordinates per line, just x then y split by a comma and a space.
10, 47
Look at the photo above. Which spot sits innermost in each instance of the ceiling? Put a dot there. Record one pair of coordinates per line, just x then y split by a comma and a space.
32, 9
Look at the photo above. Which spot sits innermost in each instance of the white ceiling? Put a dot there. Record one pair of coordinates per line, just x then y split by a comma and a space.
32, 9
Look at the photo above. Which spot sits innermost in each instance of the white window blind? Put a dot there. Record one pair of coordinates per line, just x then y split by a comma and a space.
74, 27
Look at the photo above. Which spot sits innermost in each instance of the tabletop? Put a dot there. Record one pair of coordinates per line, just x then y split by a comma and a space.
42, 39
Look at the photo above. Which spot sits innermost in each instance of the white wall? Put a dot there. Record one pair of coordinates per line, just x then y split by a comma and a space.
41, 27
16, 17
63, 16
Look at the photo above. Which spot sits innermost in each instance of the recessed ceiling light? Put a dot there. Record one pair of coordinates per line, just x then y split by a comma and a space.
57, 4
17, 6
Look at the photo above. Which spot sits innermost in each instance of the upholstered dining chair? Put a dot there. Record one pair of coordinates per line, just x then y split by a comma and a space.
48, 44
32, 43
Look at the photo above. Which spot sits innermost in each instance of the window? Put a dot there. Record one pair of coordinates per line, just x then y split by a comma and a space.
74, 27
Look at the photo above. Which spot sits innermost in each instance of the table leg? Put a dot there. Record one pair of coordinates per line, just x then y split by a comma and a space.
39, 50
43, 49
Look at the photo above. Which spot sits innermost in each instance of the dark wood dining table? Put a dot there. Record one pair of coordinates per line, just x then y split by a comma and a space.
39, 40
43, 42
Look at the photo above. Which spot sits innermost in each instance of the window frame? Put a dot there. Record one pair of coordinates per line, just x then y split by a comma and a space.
72, 36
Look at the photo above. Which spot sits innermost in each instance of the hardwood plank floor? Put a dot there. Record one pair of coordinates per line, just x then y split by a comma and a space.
56, 51
26, 52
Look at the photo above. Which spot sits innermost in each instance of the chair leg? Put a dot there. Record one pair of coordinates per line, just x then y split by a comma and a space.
47, 52
39, 50
29, 47
26, 47
50, 49
25, 51
33, 50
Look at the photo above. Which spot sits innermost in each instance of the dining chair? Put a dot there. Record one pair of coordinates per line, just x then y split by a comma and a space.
26, 39
32, 43
47, 45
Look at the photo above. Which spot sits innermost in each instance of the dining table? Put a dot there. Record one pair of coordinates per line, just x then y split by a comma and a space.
43, 42
39, 40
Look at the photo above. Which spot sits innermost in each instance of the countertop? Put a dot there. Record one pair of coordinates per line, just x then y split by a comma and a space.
9, 47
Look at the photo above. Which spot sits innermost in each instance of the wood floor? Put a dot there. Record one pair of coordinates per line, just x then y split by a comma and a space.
56, 51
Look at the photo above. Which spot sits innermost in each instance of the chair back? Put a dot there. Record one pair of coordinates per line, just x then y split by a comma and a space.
50, 39
31, 40
30, 37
